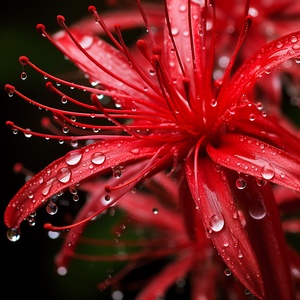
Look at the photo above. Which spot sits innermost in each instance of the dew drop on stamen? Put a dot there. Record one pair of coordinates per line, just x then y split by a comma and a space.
13, 234
27, 134
217, 222
98, 158
23, 75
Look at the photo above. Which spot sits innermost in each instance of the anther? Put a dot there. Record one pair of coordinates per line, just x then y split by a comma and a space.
41, 29
92, 9
9, 88
61, 21
23, 60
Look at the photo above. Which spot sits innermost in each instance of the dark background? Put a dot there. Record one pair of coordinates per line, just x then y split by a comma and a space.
27, 266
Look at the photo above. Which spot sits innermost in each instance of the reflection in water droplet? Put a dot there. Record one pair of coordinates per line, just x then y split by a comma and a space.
241, 183
217, 222
47, 188
73, 157
98, 158
51, 208
267, 172
13, 234
64, 175
257, 209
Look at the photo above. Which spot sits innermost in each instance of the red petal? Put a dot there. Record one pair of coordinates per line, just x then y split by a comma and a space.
162, 281
264, 229
110, 58
251, 156
74, 167
260, 63
213, 195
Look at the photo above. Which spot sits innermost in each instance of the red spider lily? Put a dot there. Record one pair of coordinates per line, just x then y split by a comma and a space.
171, 114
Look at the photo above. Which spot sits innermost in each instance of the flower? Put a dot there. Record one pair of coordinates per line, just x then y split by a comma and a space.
170, 114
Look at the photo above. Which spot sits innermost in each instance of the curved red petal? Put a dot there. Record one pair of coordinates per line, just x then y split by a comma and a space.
251, 156
74, 167
260, 63
264, 229
168, 276
213, 195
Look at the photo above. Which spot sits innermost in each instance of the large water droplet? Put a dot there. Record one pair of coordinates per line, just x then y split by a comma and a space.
13, 234
64, 175
257, 209
217, 222
73, 157
98, 158
267, 172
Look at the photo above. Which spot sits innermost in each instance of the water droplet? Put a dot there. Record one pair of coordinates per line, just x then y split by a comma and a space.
227, 272
267, 172
241, 183
217, 222
47, 187
213, 102
13, 234
294, 39
64, 175
174, 31
155, 210
73, 157
51, 208
27, 134
23, 75
62, 271
65, 129
257, 209
98, 158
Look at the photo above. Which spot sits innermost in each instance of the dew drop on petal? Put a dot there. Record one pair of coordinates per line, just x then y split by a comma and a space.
73, 157
241, 183
227, 272
267, 172
47, 187
13, 234
217, 222
257, 209
51, 208
98, 158
64, 175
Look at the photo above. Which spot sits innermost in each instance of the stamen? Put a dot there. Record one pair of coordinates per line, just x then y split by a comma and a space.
133, 64
24, 60
180, 112
97, 63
